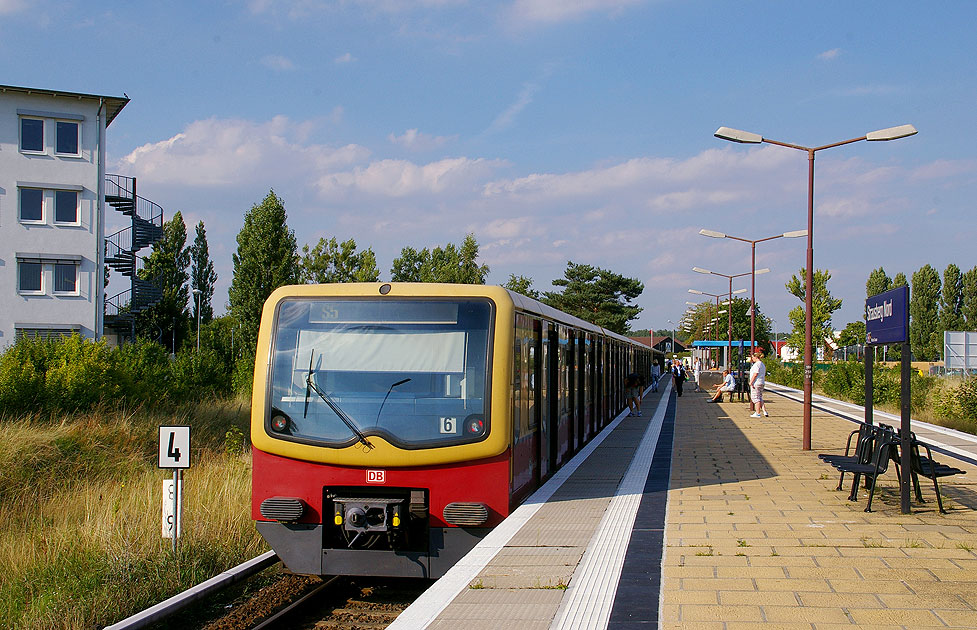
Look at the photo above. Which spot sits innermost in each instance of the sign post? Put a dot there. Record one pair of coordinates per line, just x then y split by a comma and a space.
174, 453
887, 321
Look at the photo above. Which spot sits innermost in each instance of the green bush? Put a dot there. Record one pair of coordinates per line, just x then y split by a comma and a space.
199, 374
846, 381
142, 369
79, 375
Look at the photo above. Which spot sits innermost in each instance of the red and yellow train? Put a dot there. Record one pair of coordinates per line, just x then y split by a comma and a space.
393, 425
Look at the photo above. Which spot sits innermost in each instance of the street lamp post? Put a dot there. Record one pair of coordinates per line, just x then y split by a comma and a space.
717, 296
714, 234
746, 137
730, 307
196, 294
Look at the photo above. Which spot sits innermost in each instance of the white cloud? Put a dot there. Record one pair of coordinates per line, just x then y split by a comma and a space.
9, 7
830, 54
225, 152
345, 58
277, 62
563, 10
507, 117
414, 140
400, 178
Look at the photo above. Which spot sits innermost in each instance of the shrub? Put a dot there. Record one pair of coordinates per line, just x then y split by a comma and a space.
22, 369
846, 381
199, 374
79, 376
142, 370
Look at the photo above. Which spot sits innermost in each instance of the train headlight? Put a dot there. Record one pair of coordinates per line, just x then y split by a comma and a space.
474, 425
279, 422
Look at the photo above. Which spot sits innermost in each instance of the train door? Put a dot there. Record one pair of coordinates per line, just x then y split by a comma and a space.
541, 375
571, 391
525, 433
581, 370
553, 392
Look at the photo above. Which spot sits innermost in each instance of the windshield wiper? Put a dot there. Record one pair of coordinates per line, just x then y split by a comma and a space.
390, 389
309, 385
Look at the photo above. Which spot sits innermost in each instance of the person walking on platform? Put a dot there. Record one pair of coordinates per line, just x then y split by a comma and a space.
696, 372
632, 391
678, 377
656, 374
758, 377
728, 385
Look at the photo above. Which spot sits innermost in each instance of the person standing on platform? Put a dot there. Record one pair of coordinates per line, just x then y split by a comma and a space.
758, 377
678, 377
655, 375
696, 372
632, 391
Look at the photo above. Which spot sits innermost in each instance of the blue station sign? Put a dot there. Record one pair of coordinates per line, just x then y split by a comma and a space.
887, 317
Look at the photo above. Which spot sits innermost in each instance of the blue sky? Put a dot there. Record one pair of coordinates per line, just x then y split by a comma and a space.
553, 130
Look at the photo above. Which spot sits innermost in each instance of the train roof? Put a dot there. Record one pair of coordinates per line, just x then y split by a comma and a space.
535, 306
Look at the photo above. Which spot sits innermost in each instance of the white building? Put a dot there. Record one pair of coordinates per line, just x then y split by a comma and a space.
52, 211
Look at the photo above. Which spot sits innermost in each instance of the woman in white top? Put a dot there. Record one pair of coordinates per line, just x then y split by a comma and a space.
758, 377
696, 371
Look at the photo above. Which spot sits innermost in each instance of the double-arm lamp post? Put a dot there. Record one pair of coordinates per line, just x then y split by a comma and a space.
746, 137
714, 234
729, 308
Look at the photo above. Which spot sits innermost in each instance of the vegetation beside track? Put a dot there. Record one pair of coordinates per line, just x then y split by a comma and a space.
80, 502
946, 401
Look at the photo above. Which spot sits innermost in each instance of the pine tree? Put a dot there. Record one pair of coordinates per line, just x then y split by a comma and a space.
597, 296
924, 314
202, 276
266, 258
167, 320
522, 285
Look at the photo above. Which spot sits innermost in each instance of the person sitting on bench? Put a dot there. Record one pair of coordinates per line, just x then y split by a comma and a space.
728, 385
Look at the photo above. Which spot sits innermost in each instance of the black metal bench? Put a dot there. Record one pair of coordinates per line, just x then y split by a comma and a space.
929, 468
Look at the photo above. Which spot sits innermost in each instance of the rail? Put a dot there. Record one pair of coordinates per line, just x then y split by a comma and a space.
125, 188
182, 600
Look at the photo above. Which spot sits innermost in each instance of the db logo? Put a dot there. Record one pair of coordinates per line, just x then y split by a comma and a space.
376, 476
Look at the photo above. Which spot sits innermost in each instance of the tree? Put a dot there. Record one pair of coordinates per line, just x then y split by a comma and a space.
923, 314
451, 264
823, 305
522, 285
331, 261
853, 334
266, 259
202, 276
597, 296
167, 319
878, 282
951, 300
968, 307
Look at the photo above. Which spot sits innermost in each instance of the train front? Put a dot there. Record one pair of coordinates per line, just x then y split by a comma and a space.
375, 447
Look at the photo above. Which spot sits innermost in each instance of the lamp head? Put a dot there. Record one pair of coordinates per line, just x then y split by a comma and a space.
759, 271
695, 292
795, 233
700, 270
738, 291
892, 133
735, 135
712, 233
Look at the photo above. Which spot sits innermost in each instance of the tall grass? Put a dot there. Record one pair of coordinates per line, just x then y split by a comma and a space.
80, 512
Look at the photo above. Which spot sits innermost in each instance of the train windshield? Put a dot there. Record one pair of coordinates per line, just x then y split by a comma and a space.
414, 372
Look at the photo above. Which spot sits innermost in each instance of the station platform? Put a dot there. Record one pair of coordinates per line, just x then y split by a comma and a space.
696, 515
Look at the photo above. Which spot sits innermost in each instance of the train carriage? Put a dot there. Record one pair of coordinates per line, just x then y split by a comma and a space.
393, 425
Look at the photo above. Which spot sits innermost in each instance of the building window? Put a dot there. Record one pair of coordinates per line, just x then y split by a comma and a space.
65, 206
66, 278
31, 204
66, 138
31, 134
30, 277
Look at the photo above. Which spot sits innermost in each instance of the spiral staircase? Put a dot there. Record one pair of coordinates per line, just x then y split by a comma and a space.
121, 254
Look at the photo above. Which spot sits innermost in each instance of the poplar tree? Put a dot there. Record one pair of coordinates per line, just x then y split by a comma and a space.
951, 300
167, 320
878, 282
266, 258
202, 276
968, 307
924, 314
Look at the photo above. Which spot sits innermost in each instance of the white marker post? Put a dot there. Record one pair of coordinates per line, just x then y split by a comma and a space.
174, 453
